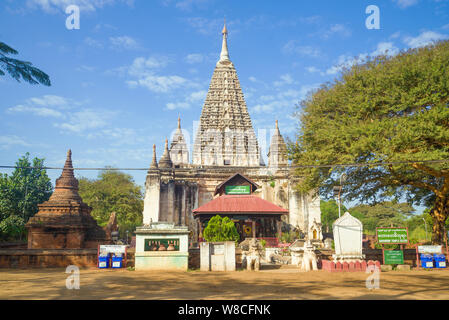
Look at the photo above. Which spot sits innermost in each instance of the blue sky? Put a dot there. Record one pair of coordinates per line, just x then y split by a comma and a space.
120, 81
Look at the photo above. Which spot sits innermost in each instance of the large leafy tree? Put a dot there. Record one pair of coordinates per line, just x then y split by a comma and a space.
386, 109
113, 191
20, 193
383, 214
19, 69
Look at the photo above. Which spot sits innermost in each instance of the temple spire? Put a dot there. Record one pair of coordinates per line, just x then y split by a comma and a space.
179, 122
154, 162
224, 55
165, 161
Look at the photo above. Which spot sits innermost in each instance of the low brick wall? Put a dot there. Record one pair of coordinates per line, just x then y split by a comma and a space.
25, 258
43, 258
376, 254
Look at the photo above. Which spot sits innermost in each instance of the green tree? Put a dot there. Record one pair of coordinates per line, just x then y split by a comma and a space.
221, 229
20, 193
19, 69
383, 214
114, 191
329, 213
387, 109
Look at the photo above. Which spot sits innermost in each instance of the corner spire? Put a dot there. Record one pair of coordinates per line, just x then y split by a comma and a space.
224, 55
165, 161
154, 162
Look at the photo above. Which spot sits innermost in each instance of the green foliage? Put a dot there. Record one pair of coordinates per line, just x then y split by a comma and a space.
387, 109
382, 214
114, 191
20, 193
18, 69
263, 243
221, 229
12, 228
290, 236
329, 213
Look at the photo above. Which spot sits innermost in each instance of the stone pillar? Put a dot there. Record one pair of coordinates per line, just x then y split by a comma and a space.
152, 198
253, 227
279, 229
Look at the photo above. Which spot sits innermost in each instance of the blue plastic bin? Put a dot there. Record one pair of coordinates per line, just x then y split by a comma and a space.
117, 261
103, 262
440, 260
426, 261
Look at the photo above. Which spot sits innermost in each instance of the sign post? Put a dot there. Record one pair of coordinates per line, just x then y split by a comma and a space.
392, 236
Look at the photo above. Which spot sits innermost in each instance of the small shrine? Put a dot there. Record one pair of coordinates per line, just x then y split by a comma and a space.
348, 234
64, 221
162, 246
253, 216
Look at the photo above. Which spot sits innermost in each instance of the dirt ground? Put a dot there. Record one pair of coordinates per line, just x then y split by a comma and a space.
283, 283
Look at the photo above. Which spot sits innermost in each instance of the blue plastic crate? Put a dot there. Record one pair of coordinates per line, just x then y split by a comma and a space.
117, 262
440, 260
426, 261
103, 262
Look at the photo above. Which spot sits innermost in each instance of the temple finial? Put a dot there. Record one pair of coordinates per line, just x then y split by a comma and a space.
277, 125
179, 122
224, 55
225, 30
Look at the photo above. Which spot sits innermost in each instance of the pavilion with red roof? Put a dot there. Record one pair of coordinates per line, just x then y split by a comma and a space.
252, 215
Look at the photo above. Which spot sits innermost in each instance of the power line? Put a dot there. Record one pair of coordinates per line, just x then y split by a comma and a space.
366, 164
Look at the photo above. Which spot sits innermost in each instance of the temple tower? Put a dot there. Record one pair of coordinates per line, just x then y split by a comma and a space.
225, 134
179, 153
277, 154
64, 221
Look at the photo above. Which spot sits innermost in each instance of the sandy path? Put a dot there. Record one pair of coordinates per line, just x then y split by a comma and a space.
285, 283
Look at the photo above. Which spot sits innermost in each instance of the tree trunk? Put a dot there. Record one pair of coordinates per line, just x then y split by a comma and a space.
439, 213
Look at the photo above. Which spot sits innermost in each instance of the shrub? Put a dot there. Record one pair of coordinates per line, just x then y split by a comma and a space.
221, 229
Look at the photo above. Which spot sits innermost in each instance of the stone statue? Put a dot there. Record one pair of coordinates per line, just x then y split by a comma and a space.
309, 259
252, 255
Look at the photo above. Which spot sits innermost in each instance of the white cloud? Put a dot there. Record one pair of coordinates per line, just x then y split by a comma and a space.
337, 29
405, 3
197, 96
8, 141
194, 58
93, 43
385, 48
312, 69
45, 106
286, 79
124, 42
157, 83
177, 105
86, 119
425, 38
292, 47
143, 69
38, 111
345, 61
192, 98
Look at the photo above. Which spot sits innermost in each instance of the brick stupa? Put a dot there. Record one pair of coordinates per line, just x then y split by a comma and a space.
64, 221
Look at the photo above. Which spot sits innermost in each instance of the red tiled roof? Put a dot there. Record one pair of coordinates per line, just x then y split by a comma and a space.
240, 204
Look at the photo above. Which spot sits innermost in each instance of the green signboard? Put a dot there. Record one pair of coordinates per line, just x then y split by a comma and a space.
392, 235
237, 190
394, 257
161, 245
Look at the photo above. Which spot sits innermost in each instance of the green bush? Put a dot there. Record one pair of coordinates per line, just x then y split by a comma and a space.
13, 227
221, 229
